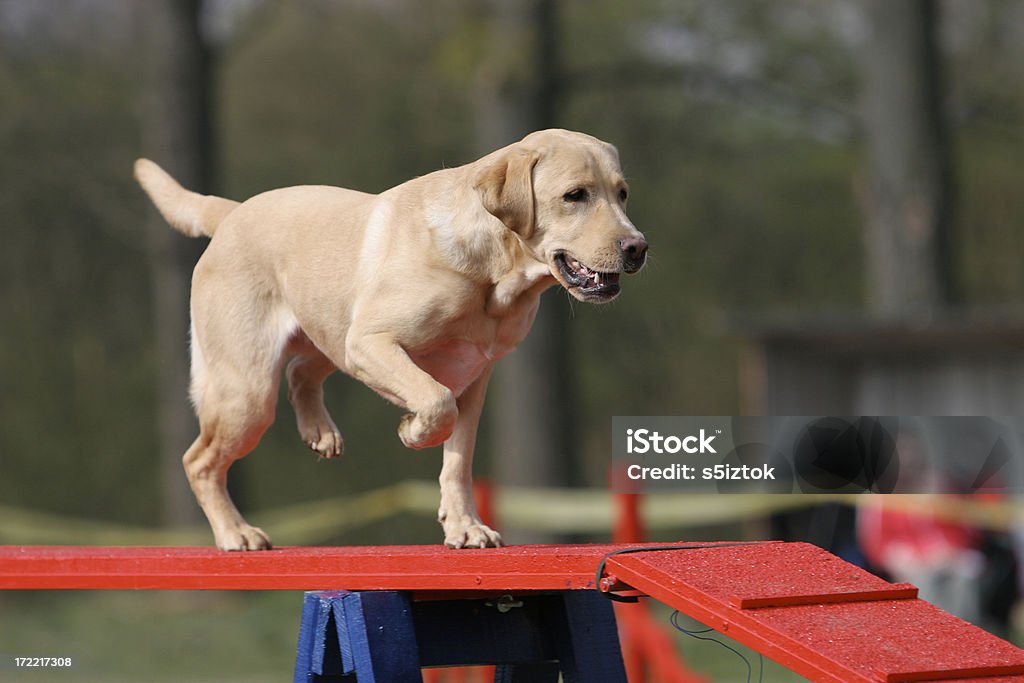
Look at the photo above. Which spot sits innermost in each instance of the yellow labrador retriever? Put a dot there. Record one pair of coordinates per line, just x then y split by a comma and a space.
415, 292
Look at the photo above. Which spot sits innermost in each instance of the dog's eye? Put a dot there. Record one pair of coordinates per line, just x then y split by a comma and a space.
623, 195
580, 194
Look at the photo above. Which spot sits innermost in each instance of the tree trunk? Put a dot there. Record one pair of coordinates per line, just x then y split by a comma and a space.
531, 401
176, 132
909, 202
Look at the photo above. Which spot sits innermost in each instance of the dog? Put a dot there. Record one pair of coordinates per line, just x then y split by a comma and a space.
416, 292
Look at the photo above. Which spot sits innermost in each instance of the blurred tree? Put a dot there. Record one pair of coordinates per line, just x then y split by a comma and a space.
909, 203
733, 118
176, 132
531, 404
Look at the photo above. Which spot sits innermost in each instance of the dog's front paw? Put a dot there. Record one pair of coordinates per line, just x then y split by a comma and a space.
243, 537
430, 427
471, 534
416, 434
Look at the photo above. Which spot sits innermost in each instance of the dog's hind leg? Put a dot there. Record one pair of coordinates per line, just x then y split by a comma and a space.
223, 439
306, 374
236, 368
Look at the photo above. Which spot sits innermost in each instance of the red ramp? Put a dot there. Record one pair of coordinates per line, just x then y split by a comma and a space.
820, 616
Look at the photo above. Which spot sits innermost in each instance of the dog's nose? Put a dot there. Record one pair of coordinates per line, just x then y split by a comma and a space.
634, 253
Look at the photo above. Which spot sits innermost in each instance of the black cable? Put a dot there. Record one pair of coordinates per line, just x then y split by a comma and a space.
698, 635
675, 615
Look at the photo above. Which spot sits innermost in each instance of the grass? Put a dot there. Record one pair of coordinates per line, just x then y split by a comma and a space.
219, 637
207, 637
121, 636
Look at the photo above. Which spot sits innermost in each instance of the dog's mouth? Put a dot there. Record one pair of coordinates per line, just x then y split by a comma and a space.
586, 283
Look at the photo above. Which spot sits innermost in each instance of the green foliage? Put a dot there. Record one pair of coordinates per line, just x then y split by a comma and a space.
736, 123
75, 353
348, 98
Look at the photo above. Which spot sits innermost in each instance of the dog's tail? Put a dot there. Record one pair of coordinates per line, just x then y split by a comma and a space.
188, 212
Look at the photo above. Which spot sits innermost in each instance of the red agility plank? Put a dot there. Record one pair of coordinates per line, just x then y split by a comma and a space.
415, 568
864, 641
750, 575
895, 642
729, 587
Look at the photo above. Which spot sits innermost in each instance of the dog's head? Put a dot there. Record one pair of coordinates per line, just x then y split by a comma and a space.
565, 196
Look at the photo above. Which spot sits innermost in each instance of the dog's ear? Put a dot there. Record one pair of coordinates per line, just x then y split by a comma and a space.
506, 189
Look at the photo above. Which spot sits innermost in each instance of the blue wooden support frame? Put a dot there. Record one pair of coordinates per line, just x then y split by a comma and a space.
386, 637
